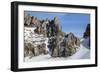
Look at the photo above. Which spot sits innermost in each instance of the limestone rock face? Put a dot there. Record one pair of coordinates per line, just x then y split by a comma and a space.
31, 21
56, 21
35, 21
59, 44
30, 50
64, 46
72, 43
34, 44
27, 20
34, 50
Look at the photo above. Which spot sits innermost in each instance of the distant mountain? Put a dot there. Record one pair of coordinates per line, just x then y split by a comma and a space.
86, 36
87, 31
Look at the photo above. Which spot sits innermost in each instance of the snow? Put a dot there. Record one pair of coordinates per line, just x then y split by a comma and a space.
82, 53
29, 36
85, 42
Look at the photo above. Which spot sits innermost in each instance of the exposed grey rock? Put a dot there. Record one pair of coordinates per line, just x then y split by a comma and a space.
72, 43
60, 44
31, 50
56, 20
63, 47
27, 20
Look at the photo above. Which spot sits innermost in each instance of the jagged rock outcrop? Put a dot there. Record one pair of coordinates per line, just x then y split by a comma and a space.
31, 21
64, 46
72, 43
59, 43
27, 20
46, 27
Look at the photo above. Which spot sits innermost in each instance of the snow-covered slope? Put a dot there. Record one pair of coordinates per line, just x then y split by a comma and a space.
85, 42
82, 53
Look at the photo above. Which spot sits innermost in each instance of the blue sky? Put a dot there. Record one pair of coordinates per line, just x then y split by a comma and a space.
70, 22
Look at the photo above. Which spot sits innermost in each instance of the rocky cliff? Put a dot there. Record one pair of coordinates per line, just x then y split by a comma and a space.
46, 36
